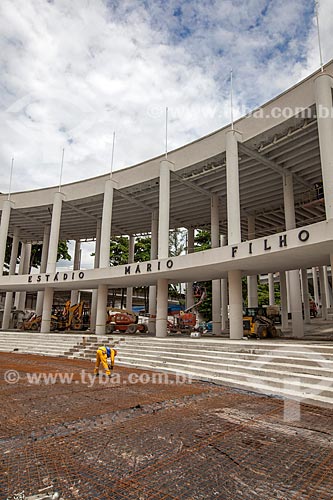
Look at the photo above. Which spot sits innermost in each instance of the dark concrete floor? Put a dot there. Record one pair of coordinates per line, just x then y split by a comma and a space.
140, 437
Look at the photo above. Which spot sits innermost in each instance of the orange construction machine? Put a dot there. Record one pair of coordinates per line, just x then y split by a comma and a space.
123, 320
185, 321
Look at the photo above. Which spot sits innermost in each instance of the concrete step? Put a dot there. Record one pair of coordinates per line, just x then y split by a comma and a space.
302, 385
225, 342
259, 370
301, 366
257, 386
282, 356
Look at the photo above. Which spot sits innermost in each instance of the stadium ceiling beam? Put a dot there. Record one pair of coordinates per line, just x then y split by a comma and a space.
80, 211
130, 198
271, 164
190, 184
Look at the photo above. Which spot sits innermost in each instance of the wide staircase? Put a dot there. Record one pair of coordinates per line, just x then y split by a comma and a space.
301, 370
51, 344
285, 368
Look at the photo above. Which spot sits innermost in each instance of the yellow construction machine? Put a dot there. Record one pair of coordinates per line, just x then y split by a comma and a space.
32, 323
257, 324
70, 317
74, 317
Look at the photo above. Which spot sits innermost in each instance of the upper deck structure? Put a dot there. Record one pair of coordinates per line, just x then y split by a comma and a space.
256, 185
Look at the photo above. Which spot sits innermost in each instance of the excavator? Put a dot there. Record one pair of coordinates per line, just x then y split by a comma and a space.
123, 320
74, 317
185, 321
71, 317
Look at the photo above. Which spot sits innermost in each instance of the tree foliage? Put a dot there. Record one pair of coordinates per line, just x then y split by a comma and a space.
119, 250
36, 252
142, 249
202, 241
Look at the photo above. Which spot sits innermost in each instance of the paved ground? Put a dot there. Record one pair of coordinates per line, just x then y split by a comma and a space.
146, 440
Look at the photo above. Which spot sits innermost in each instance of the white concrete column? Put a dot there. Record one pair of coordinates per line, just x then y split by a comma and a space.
284, 300
252, 281
296, 304
233, 197
9, 295
43, 263
323, 309
288, 198
234, 232
26, 270
189, 285
293, 276
224, 293
323, 85
331, 261
20, 271
152, 288
163, 246
93, 307
216, 284
271, 290
306, 300
288, 295
129, 290
328, 291
54, 233
162, 308
164, 210
47, 310
252, 290
76, 266
52, 260
236, 304
4, 225
102, 299
104, 256
224, 304
216, 307
315, 286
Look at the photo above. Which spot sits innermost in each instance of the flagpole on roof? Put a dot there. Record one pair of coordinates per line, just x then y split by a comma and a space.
10, 178
231, 102
166, 133
61, 168
112, 155
318, 33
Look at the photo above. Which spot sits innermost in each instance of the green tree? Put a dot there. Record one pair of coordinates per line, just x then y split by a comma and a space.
36, 253
119, 251
142, 249
177, 246
202, 242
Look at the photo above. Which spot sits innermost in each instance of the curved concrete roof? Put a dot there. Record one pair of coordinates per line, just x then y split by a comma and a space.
271, 145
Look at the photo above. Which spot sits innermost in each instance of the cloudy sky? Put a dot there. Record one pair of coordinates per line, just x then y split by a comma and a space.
73, 71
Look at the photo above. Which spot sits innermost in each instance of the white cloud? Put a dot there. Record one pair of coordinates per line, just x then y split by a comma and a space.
72, 72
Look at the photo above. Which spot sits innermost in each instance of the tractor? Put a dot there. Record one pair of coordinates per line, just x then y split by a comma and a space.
257, 324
